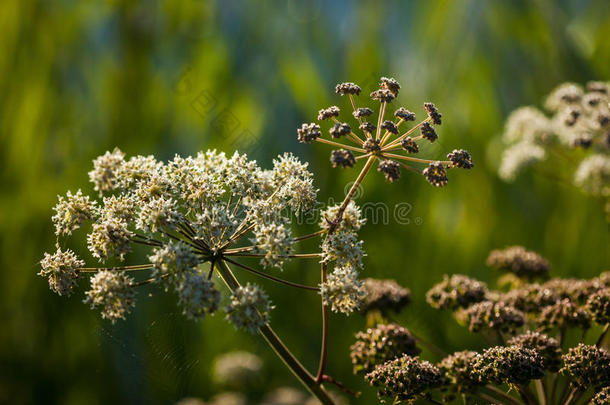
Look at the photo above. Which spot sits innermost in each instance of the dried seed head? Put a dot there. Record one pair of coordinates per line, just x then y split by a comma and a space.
457, 291
383, 95
342, 291
404, 114
347, 88
519, 261
588, 366
404, 378
512, 365
493, 315
389, 126
385, 296
428, 132
367, 127
249, 308
458, 370
340, 129
308, 133
390, 169
435, 174
598, 306
562, 314
531, 298
362, 112
332, 111
409, 145
113, 292
62, 270
433, 113
377, 345
391, 84
342, 158
197, 296
574, 290
547, 347
460, 158
371, 145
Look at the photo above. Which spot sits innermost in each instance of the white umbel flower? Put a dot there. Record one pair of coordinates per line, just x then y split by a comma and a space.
249, 308
112, 291
72, 212
342, 291
62, 270
593, 175
344, 247
275, 242
517, 157
197, 296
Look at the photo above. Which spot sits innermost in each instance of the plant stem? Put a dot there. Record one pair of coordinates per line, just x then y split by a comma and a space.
502, 394
602, 336
278, 346
341, 145
540, 391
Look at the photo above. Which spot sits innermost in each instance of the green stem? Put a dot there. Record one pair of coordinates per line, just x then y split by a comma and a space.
502, 394
603, 335
278, 346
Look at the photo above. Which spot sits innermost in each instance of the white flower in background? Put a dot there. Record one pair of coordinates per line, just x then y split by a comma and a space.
518, 157
197, 295
237, 369
526, 124
593, 175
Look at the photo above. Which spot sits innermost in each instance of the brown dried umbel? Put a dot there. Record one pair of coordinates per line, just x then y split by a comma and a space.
377, 345
564, 314
523, 263
458, 371
512, 365
385, 296
598, 306
602, 397
588, 366
384, 140
531, 298
547, 347
342, 158
405, 378
457, 291
493, 315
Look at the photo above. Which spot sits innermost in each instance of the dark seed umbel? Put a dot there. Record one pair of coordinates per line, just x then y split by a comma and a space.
433, 113
347, 88
435, 174
404, 114
371, 145
342, 158
390, 169
339, 129
547, 347
308, 132
428, 132
389, 126
457, 369
362, 112
460, 158
512, 365
598, 306
519, 261
409, 145
367, 127
493, 315
384, 296
383, 95
457, 291
332, 111
564, 314
390, 84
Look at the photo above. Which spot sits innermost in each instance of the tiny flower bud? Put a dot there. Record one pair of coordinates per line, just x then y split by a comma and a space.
308, 133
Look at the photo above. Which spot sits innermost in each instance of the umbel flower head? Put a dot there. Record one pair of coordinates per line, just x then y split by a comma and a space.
377, 345
457, 291
598, 306
493, 315
523, 263
588, 366
547, 347
342, 290
564, 314
459, 372
384, 296
191, 213
383, 140
512, 364
405, 378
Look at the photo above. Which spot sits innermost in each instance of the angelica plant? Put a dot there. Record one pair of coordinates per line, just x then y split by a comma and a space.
531, 327
208, 216
575, 134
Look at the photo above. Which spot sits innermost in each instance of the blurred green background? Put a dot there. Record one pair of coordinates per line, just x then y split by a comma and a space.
166, 77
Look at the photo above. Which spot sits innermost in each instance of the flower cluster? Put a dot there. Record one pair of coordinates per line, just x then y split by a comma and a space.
380, 344
523, 263
249, 308
579, 119
457, 291
384, 296
405, 378
237, 369
588, 366
508, 364
383, 140
342, 290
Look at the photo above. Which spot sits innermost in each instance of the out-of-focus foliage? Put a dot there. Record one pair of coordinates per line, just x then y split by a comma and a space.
165, 77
